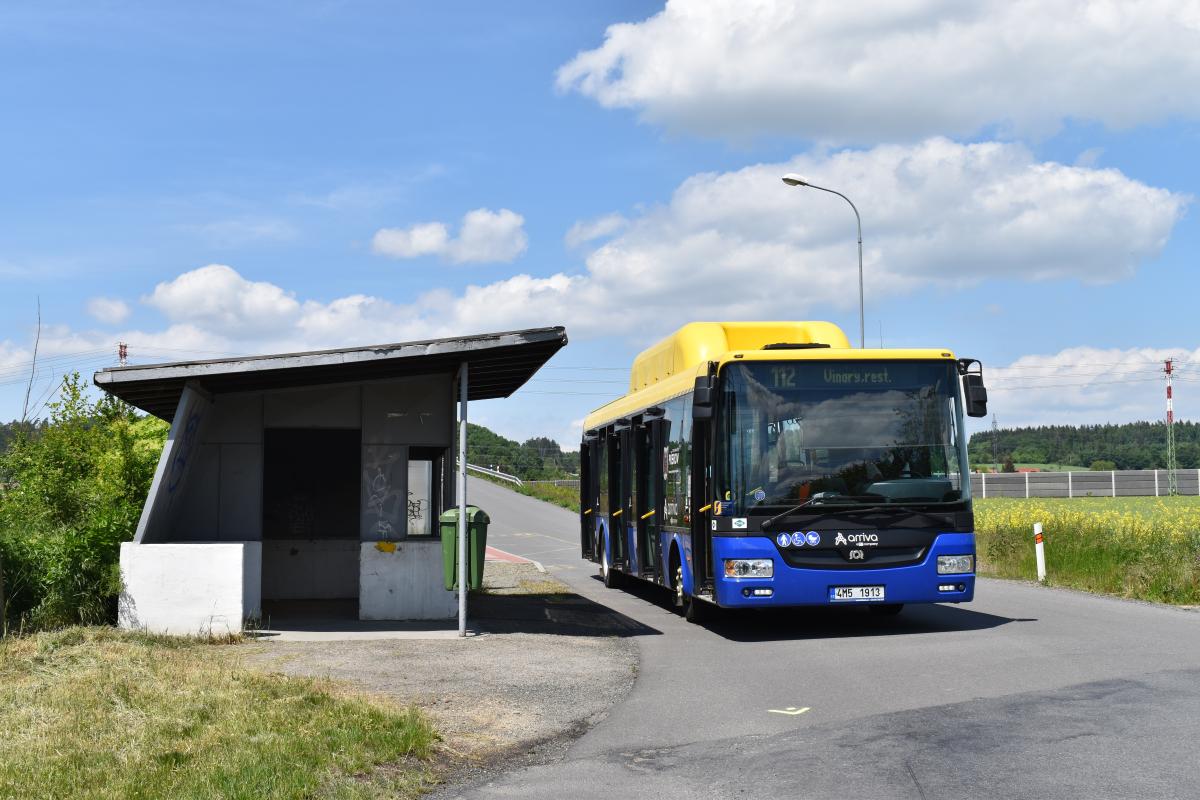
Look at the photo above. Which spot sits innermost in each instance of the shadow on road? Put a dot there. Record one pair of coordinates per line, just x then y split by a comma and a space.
565, 614
820, 622
824, 622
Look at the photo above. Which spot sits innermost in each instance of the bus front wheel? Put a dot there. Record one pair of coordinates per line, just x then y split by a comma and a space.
693, 610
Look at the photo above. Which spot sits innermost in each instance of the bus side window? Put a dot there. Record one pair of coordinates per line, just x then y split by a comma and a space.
602, 475
674, 495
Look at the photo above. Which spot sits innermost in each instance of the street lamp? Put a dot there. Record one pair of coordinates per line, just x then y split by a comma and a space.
792, 179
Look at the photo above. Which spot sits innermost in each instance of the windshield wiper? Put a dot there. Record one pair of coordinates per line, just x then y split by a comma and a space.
768, 523
871, 509
899, 509
851, 497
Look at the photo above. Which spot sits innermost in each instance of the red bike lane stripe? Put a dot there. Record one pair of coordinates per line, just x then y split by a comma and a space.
495, 554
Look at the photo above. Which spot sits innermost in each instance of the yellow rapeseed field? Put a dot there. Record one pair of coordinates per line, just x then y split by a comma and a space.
1144, 547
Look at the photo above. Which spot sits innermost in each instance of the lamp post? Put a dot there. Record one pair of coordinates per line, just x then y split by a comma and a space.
792, 179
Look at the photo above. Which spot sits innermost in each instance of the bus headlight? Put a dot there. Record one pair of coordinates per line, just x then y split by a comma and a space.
749, 568
952, 565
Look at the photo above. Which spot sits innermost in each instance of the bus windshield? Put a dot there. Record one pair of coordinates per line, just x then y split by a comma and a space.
845, 432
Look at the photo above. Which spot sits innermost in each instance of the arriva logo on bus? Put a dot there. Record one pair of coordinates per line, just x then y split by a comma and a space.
855, 538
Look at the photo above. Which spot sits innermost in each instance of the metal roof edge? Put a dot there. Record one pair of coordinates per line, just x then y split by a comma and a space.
112, 376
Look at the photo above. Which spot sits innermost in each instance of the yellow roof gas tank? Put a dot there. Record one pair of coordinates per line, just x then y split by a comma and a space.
698, 342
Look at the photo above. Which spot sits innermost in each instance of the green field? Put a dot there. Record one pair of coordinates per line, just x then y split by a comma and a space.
1139, 547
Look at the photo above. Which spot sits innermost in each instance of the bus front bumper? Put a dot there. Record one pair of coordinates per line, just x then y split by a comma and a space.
792, 586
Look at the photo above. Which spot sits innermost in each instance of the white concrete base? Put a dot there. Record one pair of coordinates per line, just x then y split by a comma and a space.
403, 580
192, 588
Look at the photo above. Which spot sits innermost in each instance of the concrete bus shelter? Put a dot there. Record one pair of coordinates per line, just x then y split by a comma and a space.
306, 477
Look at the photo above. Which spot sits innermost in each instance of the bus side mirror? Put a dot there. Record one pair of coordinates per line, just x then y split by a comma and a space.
975, 395
702, 399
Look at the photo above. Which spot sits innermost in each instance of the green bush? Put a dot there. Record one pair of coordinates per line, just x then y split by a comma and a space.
73, 492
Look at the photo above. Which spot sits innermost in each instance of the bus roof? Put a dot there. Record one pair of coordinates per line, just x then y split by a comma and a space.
669, 368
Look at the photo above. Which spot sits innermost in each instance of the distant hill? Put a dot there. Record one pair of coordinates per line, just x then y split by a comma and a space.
1134, 445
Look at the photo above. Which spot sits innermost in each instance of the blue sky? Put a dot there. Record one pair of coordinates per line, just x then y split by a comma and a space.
199, 180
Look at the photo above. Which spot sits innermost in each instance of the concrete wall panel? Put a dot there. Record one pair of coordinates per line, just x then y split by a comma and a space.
240, 492
196, 517
319, 407
383, 508
236, 419
409, 411
189, 589
310, 569
161, 512
403, 580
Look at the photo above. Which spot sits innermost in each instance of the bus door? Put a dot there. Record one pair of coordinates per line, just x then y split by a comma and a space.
650, 443
618, 483
589, 494
602, 463
628, 519
702, 494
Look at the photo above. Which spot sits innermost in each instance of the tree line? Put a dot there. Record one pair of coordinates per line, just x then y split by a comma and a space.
536, 459
1132, 445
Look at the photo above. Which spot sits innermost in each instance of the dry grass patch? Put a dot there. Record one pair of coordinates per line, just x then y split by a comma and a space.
96, 713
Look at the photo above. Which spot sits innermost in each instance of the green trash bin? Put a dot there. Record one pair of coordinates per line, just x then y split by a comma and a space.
477, 522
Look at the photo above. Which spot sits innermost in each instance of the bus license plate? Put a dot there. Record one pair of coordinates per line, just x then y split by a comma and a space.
856, 593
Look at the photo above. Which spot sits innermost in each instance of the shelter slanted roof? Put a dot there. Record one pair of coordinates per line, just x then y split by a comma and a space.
499, 363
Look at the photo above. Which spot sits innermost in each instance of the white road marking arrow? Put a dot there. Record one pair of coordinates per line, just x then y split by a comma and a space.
791, 711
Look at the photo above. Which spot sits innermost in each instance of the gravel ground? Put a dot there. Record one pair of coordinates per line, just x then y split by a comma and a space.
547, 665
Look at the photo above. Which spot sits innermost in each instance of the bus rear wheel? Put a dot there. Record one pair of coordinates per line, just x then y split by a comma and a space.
612, 578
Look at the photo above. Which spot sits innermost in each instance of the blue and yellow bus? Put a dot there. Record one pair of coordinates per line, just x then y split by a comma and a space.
761, 464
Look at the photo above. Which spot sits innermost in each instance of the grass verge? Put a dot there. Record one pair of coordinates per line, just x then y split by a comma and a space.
564, 496
1138, 547
97, 713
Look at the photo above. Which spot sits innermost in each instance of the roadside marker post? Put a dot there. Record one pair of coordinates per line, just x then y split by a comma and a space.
1040, 549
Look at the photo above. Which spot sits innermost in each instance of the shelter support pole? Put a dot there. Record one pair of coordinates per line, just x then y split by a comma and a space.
462, 499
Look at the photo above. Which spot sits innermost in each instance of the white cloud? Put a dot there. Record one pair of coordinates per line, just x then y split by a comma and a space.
1087, 385
217, 297
741, 245
483, 236
423, 239
868, 72
590, 230
737, 245
108, 310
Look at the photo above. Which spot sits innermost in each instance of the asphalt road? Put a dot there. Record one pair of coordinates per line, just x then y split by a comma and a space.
1027, 692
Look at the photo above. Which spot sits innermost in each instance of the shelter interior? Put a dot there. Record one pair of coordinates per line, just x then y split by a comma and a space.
313, 472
